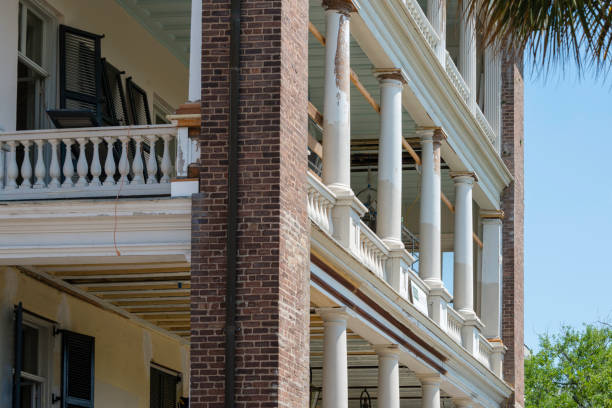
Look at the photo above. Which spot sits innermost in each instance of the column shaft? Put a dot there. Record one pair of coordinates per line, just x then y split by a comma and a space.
389, 208
430, 388
335, 365
463, 292
336, 109
491, 277
429, 225
436, 14
467, 53
195, 52
388, 379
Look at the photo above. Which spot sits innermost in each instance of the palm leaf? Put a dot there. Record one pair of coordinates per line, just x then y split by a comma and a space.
549, 31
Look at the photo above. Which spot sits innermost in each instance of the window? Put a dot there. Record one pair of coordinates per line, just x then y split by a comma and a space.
164, 383
35, 347
35, 88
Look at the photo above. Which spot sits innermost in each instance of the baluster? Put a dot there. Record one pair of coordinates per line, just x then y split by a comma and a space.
152, 162
39, 169
124, 164
95, 167
26, 165
54, 168
109, 164
82, 167
12, 171
2, 155
137, 164
165, 164
68, 165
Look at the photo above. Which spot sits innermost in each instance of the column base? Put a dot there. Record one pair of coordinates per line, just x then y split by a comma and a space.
397, 271
470, 335
346, 218
438, 303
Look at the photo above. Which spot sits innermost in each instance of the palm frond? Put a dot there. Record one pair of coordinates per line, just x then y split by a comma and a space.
551, 32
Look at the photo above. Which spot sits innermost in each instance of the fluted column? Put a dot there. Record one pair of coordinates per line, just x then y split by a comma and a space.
430, 388
463, 289
335, 364
389, 188
336, 109
436, 14
388, 377
467, 53
491, 282
195, 52
492, 91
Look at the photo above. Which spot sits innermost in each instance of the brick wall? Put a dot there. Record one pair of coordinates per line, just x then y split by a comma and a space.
273, 228
513, 231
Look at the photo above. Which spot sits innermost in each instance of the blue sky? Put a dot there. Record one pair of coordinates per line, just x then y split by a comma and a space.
568, 202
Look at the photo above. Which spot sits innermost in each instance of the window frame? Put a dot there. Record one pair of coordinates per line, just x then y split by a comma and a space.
45, 347
47, 70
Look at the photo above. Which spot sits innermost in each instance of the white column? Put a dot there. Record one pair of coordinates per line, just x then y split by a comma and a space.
389, 188
491, 284
467, 53
430, 387
336, 109
436, 14
463, 289
492, 91
335, 365
429, 224
195, 52
388, 377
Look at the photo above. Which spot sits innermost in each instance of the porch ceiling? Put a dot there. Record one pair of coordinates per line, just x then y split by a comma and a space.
168, 21
156, 292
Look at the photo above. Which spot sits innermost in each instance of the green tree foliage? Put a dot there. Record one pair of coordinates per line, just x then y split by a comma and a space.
572, 369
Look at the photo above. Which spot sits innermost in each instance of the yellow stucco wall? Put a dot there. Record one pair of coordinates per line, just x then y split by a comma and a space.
124, 349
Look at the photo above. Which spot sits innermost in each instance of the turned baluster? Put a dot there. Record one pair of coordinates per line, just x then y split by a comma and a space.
165, 163
137, 164
109, 164
26, 165
68, 165
96, 168
54, 167
82, 167
39, 169
12, 171
124, 164
152, 162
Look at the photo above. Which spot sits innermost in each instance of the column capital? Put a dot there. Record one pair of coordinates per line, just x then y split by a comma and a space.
387, 350
397, 74
463, 402
333, 314
429, 379
492, 215
434, 134
345, 7
468, 177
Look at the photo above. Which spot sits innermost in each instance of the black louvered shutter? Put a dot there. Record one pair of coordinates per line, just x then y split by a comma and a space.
163, 389
80, 71
114, 94
139, 103
18, 355
77, 370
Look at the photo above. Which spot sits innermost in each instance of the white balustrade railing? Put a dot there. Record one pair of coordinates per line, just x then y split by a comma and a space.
485, 349
320, 203
456, 78
416, 12
372, 250
485, 126
87, 162
454, 323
